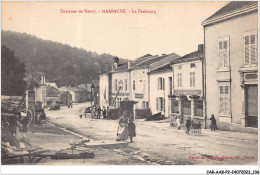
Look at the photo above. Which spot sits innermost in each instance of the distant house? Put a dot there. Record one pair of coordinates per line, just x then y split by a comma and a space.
53, 84
231, 60
52, 96
79, 95
66, 98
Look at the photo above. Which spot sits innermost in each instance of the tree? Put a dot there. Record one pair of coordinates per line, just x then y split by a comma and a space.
12, 73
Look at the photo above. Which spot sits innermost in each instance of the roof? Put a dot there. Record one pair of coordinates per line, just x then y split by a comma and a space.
193, 56
75, 89
149, 61
95, 82
164, 68
133, 63
233, 8
161, 63
83, 86
53, 92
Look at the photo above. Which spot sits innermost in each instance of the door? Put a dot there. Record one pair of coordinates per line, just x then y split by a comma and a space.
252, 106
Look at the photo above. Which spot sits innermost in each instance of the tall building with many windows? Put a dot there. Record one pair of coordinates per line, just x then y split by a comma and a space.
231, 72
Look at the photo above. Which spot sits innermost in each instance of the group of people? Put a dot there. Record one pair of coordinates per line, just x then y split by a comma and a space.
96, 112
126, 128
178, 119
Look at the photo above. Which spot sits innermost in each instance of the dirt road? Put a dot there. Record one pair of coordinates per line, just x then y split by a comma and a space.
161, 144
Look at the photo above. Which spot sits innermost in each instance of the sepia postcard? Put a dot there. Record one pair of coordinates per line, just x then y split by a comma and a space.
150, 83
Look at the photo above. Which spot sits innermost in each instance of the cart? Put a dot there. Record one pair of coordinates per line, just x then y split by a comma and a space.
196, 128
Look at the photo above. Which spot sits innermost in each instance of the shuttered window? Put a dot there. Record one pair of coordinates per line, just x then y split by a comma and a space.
179, 75
250, 48
125, 84
192, 79
224, 100
160, 104
223, 52
160, 83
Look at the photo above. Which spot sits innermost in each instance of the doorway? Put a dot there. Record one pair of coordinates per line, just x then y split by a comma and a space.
251, 106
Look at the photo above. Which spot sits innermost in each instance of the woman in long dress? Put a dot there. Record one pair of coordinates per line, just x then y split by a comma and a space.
122, 131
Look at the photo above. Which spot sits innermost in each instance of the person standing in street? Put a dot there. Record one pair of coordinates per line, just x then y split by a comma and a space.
98, 112
178, 121
122, 130
213, 124
131, 129
104, 113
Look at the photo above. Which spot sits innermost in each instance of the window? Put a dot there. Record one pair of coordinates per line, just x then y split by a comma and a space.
179, 75
192, 65
224, 105
160, 83
125, 84
159, 104
133, 84
170, 85
223, 52
115, 84
250, 48
143, 104
192, 79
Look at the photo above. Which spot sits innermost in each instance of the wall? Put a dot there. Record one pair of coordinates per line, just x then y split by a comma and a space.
155, 93
185, 71
234, 28
123, 93
104, 90
141, 87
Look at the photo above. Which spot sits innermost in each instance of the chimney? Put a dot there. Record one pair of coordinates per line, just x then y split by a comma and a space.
128, 65
200, 47
43, 79
114, 66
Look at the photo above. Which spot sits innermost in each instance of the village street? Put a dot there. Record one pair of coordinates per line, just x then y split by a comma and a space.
156, 141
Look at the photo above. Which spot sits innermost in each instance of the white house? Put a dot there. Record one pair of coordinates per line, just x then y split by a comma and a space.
140, 82
187, 96
161, 81
104, 89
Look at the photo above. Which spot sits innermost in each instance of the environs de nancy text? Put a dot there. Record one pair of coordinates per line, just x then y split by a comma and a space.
109, 11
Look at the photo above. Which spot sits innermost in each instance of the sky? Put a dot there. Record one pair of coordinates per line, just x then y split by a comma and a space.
174, 28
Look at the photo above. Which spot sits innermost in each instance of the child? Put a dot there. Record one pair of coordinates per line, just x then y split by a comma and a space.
188, 125
131, 129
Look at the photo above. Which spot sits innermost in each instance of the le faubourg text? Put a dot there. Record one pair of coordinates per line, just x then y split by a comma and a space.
108, 11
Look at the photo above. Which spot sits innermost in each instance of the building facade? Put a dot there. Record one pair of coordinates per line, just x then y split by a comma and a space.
161, 84
231, 61
104, 90
161, 81
187, 97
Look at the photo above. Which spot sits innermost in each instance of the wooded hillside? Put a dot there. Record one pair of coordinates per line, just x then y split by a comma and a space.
61, 63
